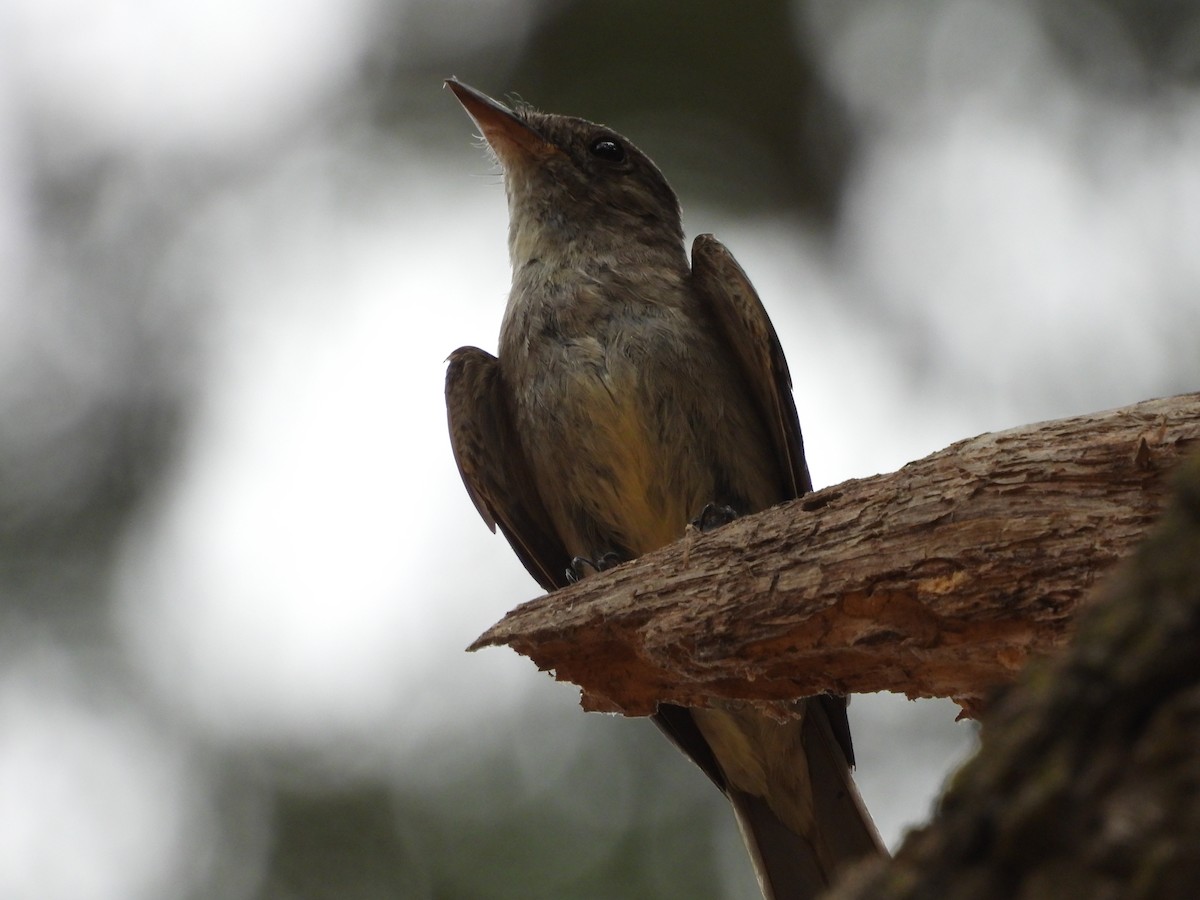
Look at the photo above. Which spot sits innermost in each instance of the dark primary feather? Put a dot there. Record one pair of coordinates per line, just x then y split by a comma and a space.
734, 303
722, 284
493, 467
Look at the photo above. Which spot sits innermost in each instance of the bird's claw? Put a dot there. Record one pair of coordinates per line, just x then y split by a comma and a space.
601, 563
713, 516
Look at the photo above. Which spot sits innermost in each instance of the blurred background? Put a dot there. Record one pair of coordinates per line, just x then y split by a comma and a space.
237, 242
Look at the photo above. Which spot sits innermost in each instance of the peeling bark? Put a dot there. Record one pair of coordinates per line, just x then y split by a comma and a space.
1087, 781
939, 580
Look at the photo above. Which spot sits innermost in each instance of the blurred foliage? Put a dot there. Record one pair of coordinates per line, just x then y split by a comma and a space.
704, 87
725, 88
341, 846
583, 834
1127, 45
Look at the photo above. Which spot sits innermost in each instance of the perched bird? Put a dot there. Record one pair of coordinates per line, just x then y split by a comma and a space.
634, 392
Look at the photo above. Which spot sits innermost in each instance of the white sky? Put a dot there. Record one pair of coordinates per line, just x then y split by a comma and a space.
314, 569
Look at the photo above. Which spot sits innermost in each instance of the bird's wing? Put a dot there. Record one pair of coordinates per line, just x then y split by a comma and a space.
722, 285
734, 304
792, 860
493, 466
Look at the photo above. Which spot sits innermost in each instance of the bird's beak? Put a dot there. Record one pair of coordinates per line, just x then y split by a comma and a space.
509, 136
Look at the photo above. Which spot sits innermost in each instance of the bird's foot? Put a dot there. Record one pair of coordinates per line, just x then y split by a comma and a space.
600, 564
713, 516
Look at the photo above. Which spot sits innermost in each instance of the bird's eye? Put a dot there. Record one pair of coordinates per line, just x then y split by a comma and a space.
608, 149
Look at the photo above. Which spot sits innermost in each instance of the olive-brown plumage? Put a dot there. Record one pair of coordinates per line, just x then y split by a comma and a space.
631, 390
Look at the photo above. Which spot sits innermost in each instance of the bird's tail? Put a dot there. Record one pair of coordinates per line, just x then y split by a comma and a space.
796, 866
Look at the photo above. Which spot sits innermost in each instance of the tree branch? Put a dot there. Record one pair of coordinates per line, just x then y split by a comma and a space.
938, 580
1087, 780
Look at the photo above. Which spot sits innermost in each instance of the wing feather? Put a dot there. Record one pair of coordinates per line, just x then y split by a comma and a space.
722, 285
493, 464
724, 288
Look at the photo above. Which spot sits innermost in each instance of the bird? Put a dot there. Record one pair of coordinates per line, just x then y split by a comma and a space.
636, 391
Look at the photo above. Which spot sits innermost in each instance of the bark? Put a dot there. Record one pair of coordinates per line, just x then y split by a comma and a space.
1087, 782
939, 580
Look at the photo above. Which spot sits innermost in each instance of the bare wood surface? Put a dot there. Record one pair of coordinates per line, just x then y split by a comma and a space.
1087, 781
938, 580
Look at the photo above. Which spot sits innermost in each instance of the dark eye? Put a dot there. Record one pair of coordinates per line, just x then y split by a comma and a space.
608, 149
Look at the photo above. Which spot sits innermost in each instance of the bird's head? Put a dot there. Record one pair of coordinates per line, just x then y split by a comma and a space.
573, 187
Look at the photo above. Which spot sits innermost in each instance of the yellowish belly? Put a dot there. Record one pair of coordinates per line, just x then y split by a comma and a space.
621, 473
